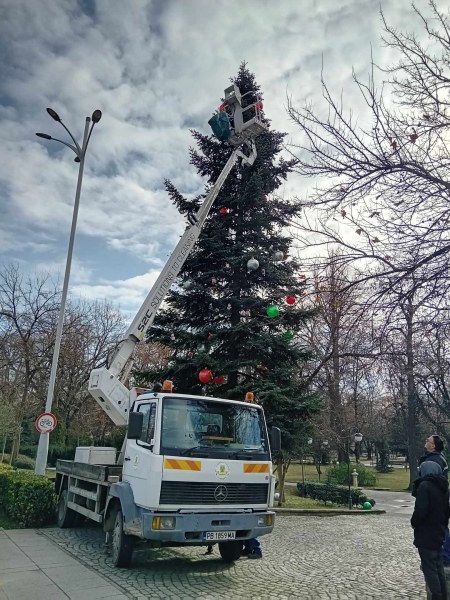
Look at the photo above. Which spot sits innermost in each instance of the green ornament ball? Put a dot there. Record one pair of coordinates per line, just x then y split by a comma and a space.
272, 311
289, 335
367, 506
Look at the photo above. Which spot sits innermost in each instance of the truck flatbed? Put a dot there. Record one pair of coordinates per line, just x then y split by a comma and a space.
83, 488
93, 472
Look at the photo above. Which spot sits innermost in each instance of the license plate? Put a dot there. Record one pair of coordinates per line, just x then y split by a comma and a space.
219, 536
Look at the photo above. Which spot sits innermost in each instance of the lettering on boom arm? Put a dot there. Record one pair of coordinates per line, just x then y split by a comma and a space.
167, 281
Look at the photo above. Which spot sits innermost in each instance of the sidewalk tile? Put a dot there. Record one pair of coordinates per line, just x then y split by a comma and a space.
106, 591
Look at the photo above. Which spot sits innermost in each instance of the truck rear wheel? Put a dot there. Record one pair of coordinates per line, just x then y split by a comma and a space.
65, 516
230, 551
121, 543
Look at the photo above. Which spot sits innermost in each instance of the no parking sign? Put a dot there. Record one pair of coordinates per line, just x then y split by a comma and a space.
46, 422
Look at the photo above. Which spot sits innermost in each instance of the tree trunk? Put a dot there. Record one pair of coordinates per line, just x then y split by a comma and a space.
412, 397
282, 468
15, 445
5, 437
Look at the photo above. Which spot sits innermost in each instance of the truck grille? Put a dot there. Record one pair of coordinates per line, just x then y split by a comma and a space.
182, 493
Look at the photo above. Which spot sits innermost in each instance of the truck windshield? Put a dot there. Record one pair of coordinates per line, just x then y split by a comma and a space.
212, 429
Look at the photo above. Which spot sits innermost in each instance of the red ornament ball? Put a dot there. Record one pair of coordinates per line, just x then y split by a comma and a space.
205, 376
223, 211
219, 380
291, 299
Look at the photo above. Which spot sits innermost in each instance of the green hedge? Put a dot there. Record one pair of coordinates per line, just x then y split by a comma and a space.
329, 492
54, 453
27, 498
339, 474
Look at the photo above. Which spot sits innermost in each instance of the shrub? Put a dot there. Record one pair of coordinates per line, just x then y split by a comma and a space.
54, 453
24, 464
339, 474
329, 492
60, 452
27, 498
29, 451
3, 470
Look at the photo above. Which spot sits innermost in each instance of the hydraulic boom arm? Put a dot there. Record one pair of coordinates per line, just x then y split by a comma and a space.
146, 314
104, 384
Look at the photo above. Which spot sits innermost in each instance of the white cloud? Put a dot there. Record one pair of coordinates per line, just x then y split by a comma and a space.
128, 294
153, 68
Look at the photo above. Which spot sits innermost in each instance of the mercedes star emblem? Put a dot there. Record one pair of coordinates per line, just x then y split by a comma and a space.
220, 493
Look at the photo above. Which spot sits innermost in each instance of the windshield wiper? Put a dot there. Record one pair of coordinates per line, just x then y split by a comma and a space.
245, 453
190, 450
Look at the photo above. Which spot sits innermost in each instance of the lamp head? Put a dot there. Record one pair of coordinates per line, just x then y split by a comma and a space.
54, 115
96, 116
358, 437
44, 135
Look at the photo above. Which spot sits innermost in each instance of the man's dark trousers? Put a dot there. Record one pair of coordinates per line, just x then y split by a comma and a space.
433, 570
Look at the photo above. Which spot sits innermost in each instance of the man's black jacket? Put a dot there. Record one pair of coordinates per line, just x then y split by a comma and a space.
438, 458
431, 511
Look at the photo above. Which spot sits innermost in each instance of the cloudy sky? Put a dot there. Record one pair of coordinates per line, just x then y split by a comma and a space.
156, 68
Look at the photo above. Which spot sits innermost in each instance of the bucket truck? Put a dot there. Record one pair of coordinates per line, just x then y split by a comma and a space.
193, 470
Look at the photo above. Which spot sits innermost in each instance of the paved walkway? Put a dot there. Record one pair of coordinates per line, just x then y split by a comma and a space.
394, 503
306, 558
32, 567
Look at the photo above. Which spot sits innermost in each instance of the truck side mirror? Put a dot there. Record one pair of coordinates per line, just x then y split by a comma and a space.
275, 439
135, 421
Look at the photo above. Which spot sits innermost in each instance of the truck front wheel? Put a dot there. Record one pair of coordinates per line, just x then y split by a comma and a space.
230, 551
121, 543
65, 516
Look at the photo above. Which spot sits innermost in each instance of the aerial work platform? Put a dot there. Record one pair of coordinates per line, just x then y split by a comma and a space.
239, 118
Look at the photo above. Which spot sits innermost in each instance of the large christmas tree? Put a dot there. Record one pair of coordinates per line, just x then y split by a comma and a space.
221, 319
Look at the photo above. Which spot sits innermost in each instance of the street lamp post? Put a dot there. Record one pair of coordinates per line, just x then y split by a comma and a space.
80, 154
309, 441
317, 453
357, 437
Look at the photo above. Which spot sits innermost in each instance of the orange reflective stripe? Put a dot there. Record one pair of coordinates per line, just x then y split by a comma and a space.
256, 468
183, 465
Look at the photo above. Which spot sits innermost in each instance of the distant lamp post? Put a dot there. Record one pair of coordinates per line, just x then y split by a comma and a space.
309, 441
80, 154
323, 447
357, 438
317, 452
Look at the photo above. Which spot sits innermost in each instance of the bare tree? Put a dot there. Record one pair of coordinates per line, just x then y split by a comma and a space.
91, 331
342, 341
149, 357
27, 311
383, 177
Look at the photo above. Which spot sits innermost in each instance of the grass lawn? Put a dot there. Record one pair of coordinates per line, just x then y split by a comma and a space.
396, 481
293, 500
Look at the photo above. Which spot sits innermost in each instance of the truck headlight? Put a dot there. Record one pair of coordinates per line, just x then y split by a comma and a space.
163, 523
265, 521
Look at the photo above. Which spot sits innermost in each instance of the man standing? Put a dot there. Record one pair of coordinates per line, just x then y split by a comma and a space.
434, 447
430, 520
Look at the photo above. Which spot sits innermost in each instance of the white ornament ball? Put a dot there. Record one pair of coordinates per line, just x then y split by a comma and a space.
252, 264
277, 256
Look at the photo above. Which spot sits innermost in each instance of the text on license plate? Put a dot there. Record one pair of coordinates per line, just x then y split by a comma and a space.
214, 536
